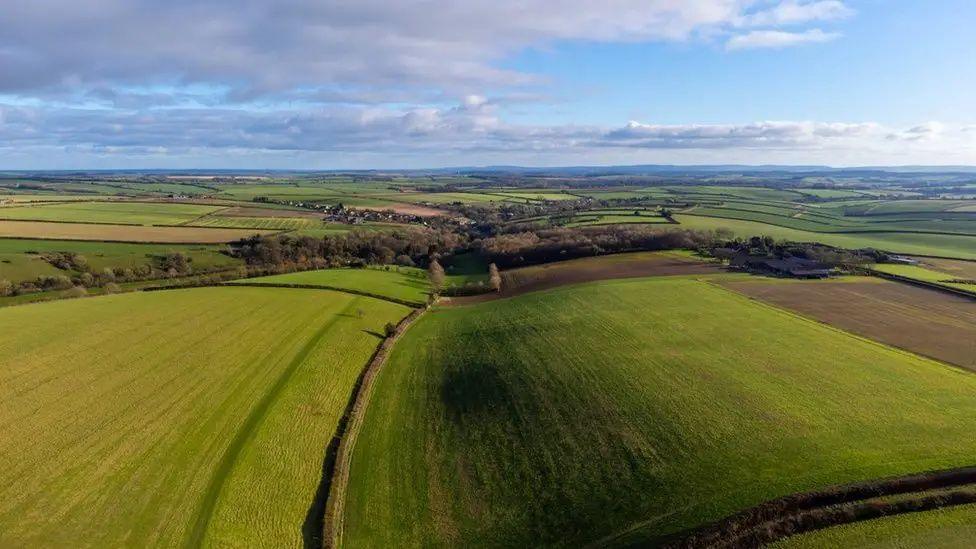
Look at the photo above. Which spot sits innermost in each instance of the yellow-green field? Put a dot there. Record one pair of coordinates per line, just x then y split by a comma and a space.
187, 417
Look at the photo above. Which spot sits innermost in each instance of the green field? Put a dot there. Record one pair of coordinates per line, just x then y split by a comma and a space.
187, 417
946, 245
953, 528
20, 258
922, 274
129, 213
402, 283
622, 411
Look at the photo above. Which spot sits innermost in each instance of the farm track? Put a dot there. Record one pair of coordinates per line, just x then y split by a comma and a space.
324, 287
780, 518
248, 428
327, 511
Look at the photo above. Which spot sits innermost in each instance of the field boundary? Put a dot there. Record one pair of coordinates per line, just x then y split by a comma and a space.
326, 514
780, 518
324, 287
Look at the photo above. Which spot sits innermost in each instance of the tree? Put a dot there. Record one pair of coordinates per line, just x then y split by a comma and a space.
436, 275
390, 329
494, 277
6, 288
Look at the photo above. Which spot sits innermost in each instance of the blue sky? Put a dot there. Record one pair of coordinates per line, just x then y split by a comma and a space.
426, 83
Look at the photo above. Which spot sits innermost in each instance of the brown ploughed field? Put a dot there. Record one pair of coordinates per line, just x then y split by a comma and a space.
122, 233
928, 322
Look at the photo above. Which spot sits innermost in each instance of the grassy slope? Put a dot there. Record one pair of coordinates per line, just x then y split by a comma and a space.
649, 405
119, 412
134, 213
947, 528
907, 243
406, 283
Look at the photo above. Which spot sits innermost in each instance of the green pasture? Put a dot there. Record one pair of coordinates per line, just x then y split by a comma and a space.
916, 272
617, 412
947, 245
176, 418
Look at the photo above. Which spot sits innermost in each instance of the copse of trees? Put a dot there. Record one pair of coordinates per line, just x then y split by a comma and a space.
411, 246
543, 246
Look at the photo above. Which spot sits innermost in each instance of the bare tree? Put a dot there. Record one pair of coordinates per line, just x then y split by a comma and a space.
494, 277
436, 275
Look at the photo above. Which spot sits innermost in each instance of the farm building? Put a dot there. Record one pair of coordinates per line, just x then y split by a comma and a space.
796, 267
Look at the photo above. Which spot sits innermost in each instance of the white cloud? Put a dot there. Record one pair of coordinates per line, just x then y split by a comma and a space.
793, 12
778, 39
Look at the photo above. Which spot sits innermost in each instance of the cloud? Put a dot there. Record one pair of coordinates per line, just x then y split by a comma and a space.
778, 39
256, 49
754, 135
793, 12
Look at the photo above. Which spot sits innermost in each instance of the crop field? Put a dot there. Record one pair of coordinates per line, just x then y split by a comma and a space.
267, 223
402, 283
173, 418
121, 233
923, 274
130, 213
953, 528
619, 218
626, 410
927, 322
20, 259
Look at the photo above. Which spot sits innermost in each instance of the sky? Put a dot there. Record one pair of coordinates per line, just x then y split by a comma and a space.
360, 84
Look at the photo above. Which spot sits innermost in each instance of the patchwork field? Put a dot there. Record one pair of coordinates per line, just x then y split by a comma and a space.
129, 213
927, 322
189, 417
622, 411
121, 233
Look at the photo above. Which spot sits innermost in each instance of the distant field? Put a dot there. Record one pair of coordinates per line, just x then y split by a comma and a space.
953, 528
620, 411
928, 322
20, 258
906, 243
922, 274
267, 223
402, 283
131, 213
121, 233
177, 418
586, 219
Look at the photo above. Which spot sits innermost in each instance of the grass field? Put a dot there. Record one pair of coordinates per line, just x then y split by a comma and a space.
267, 223
621, 411
953, 528
20, 258
121, 233
907, 243
923, 274
403, 283
130, 213
174, 418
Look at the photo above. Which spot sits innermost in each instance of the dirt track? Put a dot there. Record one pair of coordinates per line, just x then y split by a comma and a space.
553, 275
923, 321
